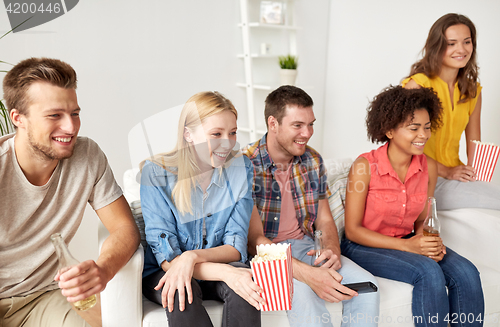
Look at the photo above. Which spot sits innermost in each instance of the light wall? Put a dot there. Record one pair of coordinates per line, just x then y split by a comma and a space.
137, 58
373, 44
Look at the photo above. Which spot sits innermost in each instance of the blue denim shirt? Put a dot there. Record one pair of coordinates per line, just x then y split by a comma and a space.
225, 209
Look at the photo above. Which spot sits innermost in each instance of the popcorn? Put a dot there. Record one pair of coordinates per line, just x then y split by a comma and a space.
272, 271
269, 252
485, 160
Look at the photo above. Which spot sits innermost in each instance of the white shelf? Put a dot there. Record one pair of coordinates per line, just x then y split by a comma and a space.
258, 56
272, 26
271, 87
284, 40
248, 130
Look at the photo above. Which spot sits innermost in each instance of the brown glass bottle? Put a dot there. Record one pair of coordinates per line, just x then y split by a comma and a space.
432, 226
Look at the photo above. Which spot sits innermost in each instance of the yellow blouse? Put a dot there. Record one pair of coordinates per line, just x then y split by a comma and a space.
444, 143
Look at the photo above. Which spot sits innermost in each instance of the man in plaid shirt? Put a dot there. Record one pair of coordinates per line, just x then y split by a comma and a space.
291, 202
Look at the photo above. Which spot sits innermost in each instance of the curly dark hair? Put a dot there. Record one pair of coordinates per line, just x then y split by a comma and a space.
394, 105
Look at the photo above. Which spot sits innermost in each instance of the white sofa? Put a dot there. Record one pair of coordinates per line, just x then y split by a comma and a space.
474, 233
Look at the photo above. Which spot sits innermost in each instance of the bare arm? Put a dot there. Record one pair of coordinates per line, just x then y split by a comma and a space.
123, 237
89, 277
326, 224
473, 130
325, 282
355, 210
412, 85
206, 264
466, 173
256, 233
432, 169
418, 227
354, 214
220, 254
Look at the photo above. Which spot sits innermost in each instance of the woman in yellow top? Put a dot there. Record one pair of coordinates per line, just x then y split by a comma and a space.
449, 67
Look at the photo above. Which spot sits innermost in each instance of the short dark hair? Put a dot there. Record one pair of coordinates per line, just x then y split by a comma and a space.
278, 99
394, 105
19, 79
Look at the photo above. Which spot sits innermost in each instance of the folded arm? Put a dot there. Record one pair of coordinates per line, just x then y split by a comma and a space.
206, 264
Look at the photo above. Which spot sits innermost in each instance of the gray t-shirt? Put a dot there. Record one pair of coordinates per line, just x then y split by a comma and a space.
30, 214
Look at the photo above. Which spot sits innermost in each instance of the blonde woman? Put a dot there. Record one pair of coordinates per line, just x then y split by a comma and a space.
197, 202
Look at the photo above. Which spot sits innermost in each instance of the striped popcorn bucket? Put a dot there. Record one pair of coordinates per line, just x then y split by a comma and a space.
485, 160
274, 276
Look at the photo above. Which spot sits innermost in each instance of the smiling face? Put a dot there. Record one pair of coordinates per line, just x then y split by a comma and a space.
410, 137
459, 49
290, 138
213, 140
52, 121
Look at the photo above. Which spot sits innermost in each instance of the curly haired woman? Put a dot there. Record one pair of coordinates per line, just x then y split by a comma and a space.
386, 205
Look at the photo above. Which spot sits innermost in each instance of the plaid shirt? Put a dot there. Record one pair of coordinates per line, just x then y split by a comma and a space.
308, 185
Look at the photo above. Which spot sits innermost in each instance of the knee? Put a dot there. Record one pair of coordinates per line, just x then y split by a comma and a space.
468, 269
466, 274
229, 296
304, 297
197, 295
367, 277
431, 274
352, 273
238, 304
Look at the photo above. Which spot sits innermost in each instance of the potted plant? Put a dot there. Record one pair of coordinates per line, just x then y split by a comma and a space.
288, 72
5, 123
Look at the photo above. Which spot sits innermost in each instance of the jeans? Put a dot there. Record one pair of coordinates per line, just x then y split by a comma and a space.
452, 194
236, 311
463, 305
308, 309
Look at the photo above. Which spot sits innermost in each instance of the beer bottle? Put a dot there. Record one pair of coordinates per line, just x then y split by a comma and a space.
432, 226
318, 246
66, 261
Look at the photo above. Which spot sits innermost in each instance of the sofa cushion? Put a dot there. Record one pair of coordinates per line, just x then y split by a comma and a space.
337, 172
139, 221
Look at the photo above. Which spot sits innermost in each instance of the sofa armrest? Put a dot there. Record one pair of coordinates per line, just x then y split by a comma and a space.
121, 301
473, 233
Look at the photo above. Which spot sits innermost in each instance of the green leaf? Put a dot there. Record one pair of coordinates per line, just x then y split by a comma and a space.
1, 37
288, 62
6, 126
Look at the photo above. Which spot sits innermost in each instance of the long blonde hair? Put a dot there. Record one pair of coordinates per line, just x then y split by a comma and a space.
183, 157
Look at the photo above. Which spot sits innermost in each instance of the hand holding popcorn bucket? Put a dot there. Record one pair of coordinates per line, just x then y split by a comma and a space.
485, 160
272, 271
